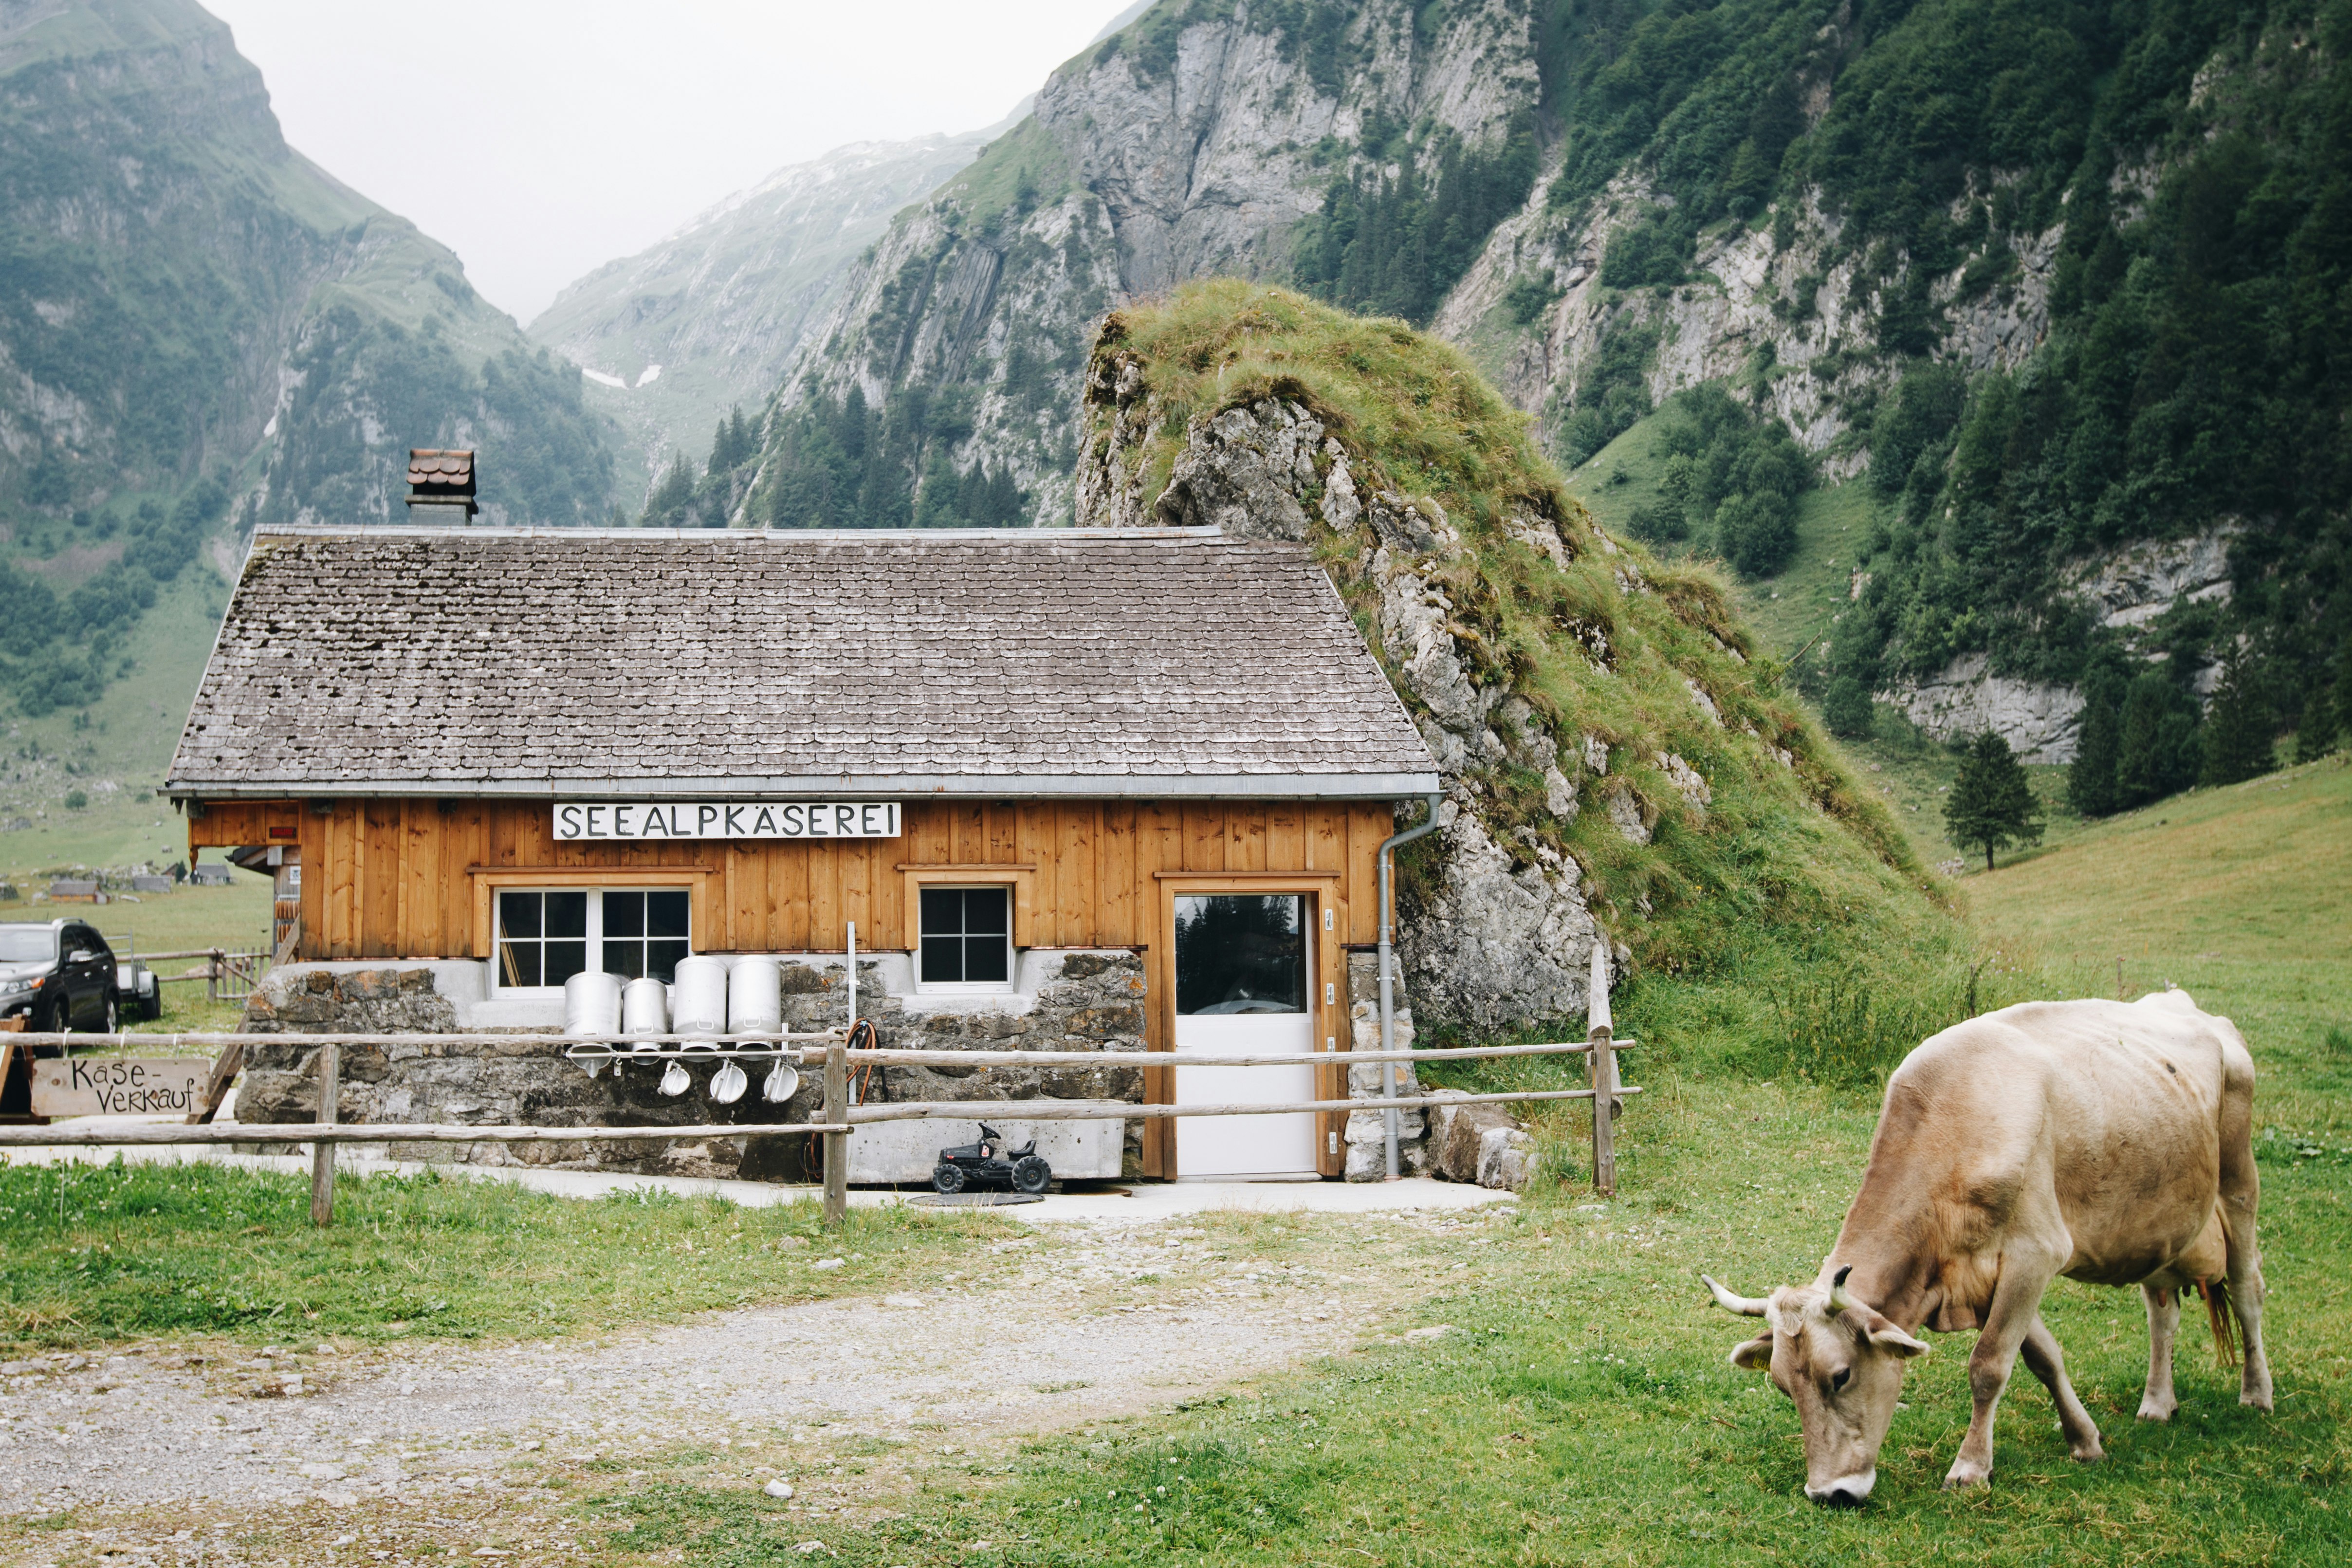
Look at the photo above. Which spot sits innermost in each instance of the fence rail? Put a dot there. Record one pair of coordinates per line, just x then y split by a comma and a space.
838, 1116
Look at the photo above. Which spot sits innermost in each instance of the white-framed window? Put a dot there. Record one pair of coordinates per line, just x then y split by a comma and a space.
966, 936
547, 935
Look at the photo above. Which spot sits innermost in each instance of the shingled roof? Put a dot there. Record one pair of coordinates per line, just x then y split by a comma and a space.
657, 662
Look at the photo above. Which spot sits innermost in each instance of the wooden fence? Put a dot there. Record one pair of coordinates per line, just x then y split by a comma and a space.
230, 974
836, 1118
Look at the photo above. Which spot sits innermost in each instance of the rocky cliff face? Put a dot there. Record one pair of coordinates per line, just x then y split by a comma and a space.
1193, 141
1790, 296
674, 338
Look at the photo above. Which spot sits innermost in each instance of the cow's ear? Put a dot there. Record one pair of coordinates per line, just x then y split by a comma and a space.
1895, 1342
1754, 1356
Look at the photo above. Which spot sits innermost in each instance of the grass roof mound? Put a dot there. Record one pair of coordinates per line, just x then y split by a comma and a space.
1611, 648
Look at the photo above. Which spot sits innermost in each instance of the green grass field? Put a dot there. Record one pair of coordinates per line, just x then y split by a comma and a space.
91, 1253
1578, 1408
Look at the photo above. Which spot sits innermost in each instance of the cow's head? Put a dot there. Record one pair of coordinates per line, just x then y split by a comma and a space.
1841, 1361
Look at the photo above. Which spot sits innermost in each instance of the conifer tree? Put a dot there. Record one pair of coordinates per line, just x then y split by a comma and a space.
2156, 752
2091, 782
2324, 720
1992, 803
2237, 729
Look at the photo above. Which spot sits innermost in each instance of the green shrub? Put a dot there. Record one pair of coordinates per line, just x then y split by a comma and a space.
75, 800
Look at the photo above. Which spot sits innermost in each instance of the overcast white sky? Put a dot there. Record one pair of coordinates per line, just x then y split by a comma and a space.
541, 138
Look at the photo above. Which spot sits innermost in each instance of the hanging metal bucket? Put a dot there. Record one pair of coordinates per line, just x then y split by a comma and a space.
728, 1084
784, 1081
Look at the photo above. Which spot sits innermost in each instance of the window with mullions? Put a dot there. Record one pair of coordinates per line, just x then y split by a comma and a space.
546, 937
645, 933
967, 936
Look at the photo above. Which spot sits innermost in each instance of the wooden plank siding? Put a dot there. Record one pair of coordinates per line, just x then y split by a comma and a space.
412, 880
389, 879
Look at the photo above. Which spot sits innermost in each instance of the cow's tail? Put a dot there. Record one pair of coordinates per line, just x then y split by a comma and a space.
2217, 1311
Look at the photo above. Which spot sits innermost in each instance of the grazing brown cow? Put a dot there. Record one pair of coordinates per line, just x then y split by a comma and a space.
2105, 1141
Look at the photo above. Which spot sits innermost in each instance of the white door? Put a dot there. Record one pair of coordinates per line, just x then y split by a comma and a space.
1242, 966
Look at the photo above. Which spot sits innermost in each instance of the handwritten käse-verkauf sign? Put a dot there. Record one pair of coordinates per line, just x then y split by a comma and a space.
729, 819
118, 1086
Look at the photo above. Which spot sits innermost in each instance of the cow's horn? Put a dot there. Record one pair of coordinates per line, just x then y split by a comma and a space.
1839, 1300
1746, 1306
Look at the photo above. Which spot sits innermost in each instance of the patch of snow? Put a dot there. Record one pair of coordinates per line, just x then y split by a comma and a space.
652, 374
604, 378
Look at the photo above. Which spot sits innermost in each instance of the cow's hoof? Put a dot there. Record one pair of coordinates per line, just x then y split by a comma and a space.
2260, 1398
2150, 1410
1960, 1479
2090, 1456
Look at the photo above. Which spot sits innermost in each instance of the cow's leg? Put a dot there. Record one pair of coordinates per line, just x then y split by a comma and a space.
2158, 1404
2241, 1192
2048, 1363
2016, 1308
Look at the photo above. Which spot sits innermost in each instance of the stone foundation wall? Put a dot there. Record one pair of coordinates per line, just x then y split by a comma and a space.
1086, 1002
1367, 1134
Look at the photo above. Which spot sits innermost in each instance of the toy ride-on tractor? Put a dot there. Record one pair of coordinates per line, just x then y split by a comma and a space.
989, 1163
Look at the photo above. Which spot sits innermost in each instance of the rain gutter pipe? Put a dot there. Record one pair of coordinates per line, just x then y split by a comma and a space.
1387, 965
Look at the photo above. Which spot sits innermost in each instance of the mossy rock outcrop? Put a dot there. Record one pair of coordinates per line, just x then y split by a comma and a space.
1619, 761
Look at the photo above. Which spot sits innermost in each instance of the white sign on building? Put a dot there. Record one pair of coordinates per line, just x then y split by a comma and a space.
727, 819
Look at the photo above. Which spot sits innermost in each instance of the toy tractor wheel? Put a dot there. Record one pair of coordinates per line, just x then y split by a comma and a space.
946, 1178
1031, 1175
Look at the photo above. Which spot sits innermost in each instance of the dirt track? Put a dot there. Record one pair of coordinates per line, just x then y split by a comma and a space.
1080, 1324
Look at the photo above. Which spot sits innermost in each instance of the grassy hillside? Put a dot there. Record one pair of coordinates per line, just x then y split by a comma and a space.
1613, 647
2237, 896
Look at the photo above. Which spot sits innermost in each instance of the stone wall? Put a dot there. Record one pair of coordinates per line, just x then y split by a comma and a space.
1069, 1002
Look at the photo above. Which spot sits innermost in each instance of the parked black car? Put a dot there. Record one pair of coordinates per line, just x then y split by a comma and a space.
990, 1163
60, 975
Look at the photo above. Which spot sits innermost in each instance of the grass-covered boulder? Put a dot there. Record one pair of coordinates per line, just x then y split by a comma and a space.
1618, 757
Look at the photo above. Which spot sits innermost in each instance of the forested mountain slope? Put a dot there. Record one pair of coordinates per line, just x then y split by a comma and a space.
199, 330
1207, 136
2068, 282
199, 327
2062, 284
676, 337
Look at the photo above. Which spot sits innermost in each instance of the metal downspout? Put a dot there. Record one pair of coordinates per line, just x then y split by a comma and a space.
1388, 963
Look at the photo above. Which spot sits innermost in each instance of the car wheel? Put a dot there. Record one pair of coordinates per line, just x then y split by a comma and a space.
113, 1015
1031, 1175
948, 1178
54, 1018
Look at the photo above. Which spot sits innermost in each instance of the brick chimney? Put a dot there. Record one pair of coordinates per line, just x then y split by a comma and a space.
441, 486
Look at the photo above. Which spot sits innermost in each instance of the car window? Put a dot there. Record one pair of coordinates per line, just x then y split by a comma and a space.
28, 944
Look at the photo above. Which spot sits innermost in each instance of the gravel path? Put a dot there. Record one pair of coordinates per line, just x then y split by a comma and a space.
1085, 1322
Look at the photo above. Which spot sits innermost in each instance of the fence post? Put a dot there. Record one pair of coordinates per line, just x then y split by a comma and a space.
836, 1144
1604, 1073
322, 1155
